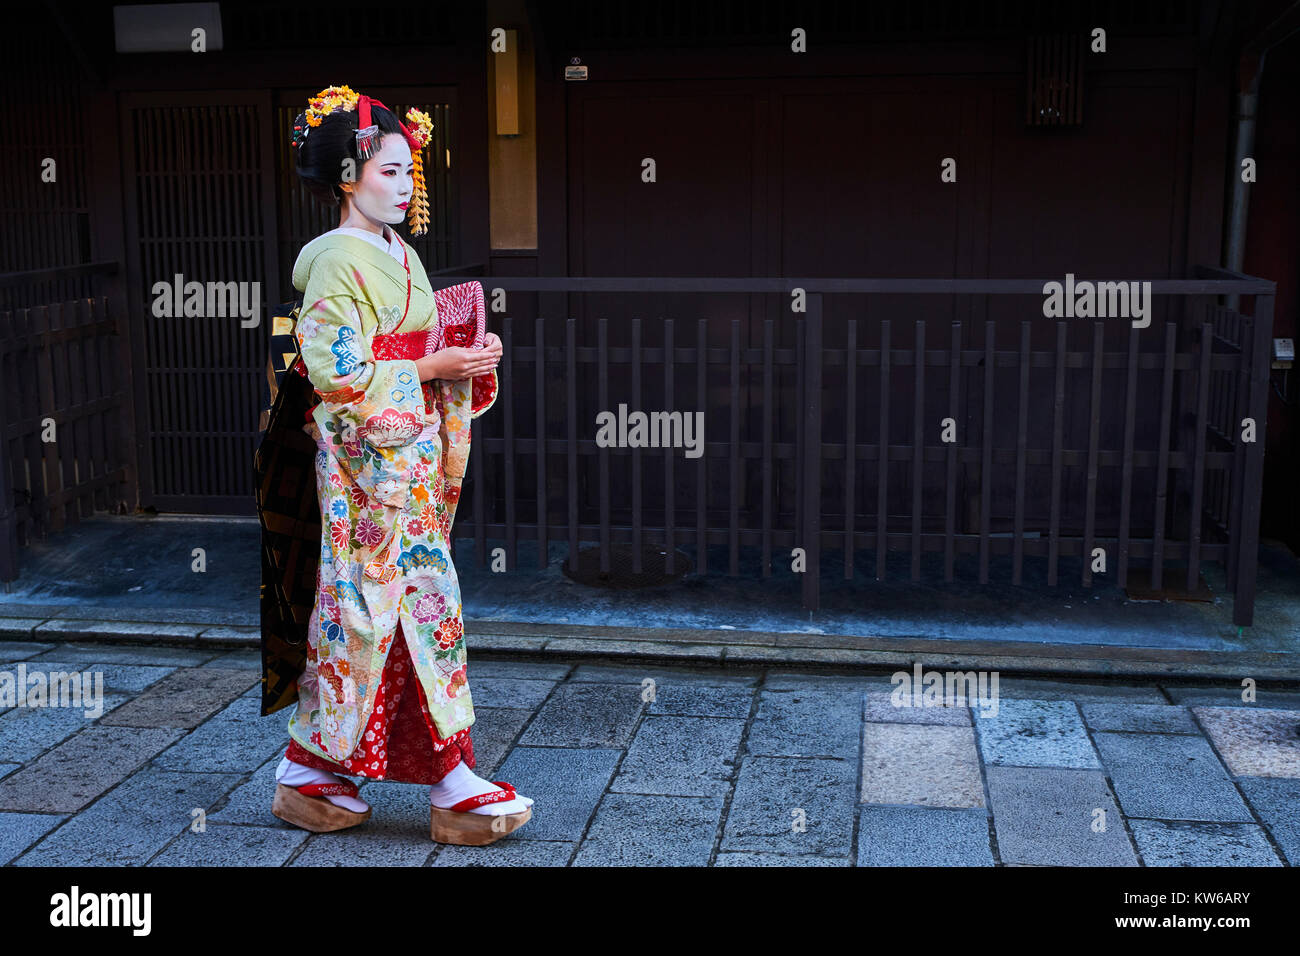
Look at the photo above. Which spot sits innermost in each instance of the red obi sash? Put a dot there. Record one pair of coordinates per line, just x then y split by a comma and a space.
462, 321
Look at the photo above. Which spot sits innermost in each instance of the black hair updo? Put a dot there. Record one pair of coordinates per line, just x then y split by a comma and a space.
321, 153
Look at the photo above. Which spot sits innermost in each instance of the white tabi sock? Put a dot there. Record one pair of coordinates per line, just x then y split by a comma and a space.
462, 783
296, 775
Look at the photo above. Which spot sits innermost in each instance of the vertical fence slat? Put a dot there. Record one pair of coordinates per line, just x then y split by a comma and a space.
918, 444
850, 445
602, 453
48, 409
769, 400
539, 402
812, 428
1162, 458
508, 433
670, 490
1126, 468
954, 412
986, 450
8, 515
1198, 461
733, 457
571, 401
637, 406
1022, 444
78, 319
1094, 429
701, 468
1259, 339
882, 462
1058, 410
66, 434
1240, 411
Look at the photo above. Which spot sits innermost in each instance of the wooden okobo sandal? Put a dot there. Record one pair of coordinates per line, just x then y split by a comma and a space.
456, 824
307, 807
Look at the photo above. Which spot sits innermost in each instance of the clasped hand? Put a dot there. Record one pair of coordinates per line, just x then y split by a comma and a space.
456, 363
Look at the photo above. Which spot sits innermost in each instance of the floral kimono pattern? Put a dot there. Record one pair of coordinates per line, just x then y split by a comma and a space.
391, 455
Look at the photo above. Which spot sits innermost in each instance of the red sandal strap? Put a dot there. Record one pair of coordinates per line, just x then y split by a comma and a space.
482, 799
341, 789
505, 786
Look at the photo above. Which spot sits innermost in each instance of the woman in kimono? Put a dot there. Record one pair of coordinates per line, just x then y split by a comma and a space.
384, 693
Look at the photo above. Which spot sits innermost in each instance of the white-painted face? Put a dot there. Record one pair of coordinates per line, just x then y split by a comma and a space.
382, 191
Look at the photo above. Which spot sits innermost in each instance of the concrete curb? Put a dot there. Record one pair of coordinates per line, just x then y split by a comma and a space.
725, 649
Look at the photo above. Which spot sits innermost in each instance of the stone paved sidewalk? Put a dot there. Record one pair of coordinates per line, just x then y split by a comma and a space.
701, 767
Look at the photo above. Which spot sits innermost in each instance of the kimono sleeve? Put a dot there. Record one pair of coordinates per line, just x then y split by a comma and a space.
380, 401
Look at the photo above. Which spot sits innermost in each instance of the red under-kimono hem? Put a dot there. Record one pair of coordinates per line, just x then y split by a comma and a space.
405, 747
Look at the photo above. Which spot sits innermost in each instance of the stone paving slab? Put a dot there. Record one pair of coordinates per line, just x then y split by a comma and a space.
232, 846
921, 764
800, 806
18, 831
1036, 733
520, 670
1254, 742
586, 715
923, 836
509, 851
1170, 778
1045, 816
1031, 688
131, 824
806, 723
881, 707
22, 650
184, 698
106, 653
493, 733
502, 642
662, 675
1277, 800
130, 678
84, 766
612, 648
702, 700
250, 803
681, 756
1230, 696
797, 680
1144, 718
637, 830
512, 692
250, 660
1202, 844
230, 741
27, 732
7, 768
775, 859
565, 784
99, 629
397, 833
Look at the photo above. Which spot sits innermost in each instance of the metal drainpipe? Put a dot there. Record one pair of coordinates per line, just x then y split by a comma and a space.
1249, 70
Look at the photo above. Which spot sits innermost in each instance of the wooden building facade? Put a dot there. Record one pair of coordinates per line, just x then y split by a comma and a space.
932, 141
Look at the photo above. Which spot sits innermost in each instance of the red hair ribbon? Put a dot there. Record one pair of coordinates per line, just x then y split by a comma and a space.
363, 119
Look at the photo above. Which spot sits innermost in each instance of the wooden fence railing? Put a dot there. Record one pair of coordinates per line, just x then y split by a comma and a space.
65, 433
1120, 457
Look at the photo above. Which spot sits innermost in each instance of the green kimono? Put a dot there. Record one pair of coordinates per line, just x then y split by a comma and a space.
390, 458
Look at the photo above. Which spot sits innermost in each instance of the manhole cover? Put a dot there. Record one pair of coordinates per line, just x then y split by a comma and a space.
620, 574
